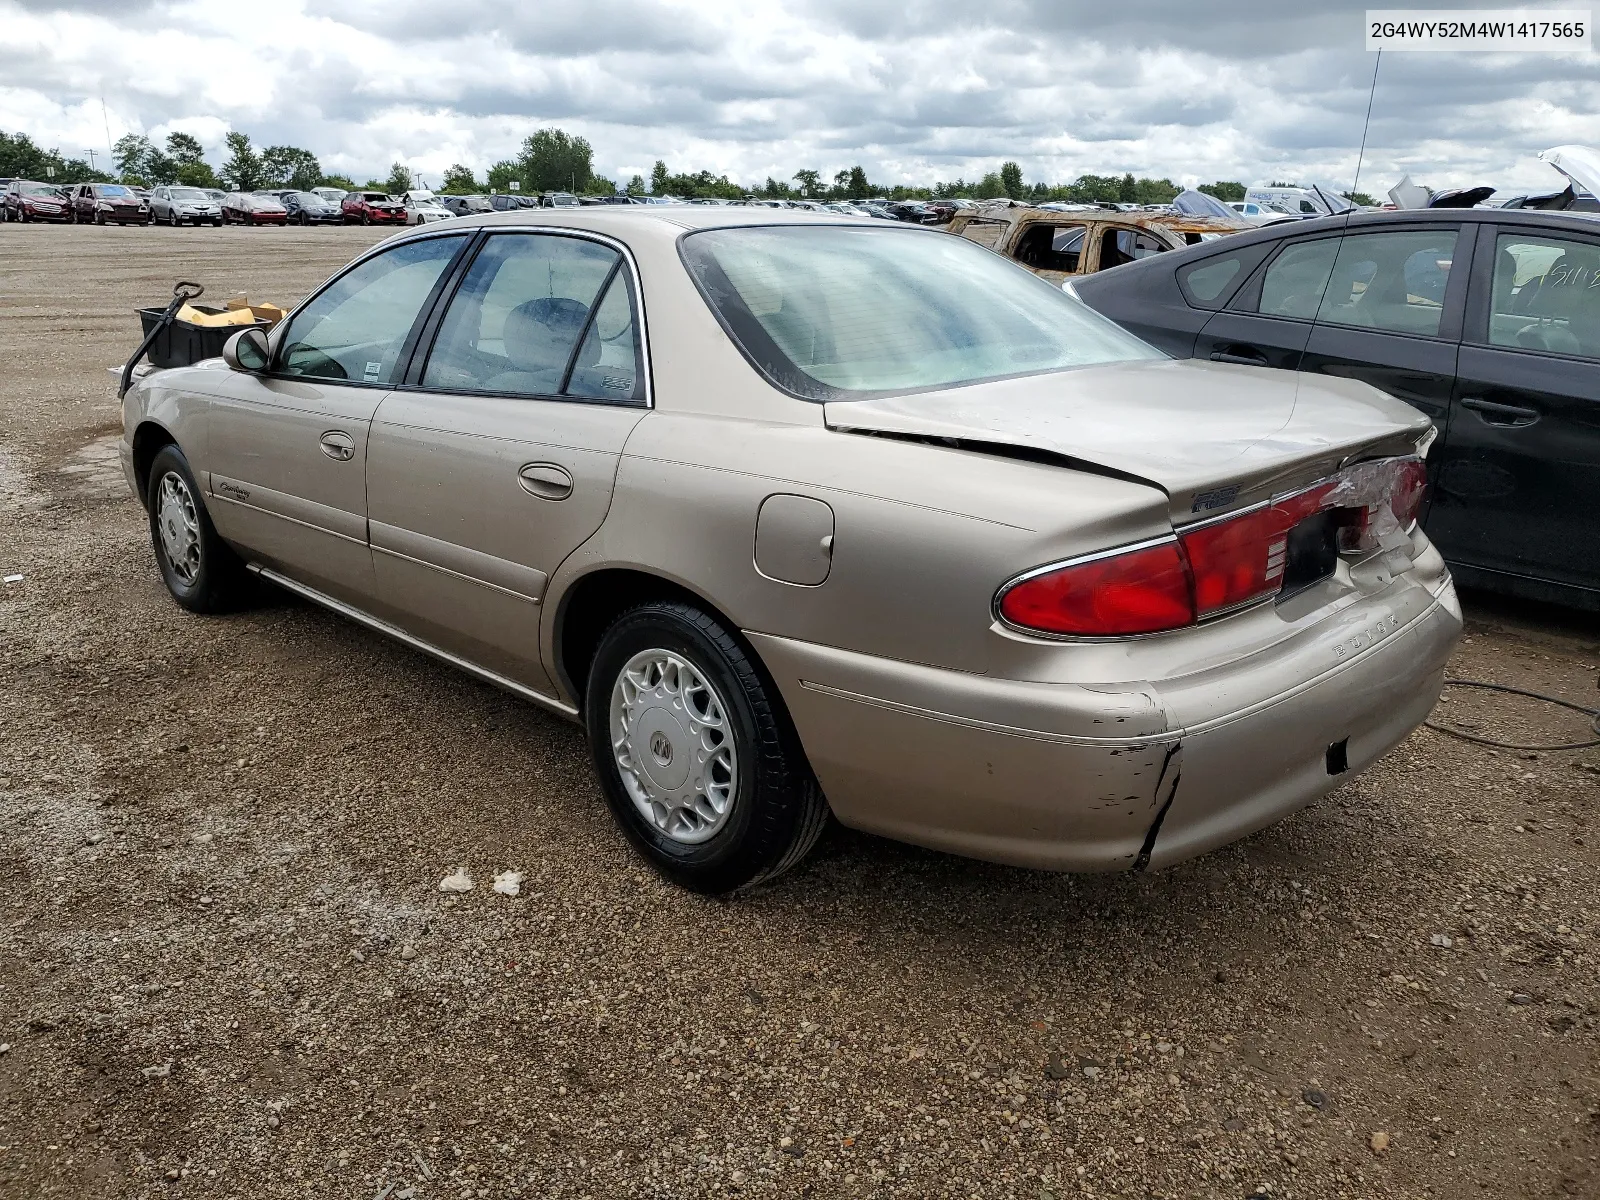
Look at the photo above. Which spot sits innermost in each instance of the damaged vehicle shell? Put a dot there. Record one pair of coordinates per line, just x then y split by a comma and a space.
1058, 246
832, 515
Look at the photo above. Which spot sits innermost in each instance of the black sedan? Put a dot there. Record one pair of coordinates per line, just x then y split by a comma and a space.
308, 208
1486, 320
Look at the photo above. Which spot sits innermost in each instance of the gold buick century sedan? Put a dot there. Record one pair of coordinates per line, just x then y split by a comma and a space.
800, 515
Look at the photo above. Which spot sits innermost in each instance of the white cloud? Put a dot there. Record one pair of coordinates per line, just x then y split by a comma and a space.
914, 90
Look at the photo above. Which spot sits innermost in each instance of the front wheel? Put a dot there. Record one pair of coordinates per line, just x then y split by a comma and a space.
366, 218
201, 571
697, 758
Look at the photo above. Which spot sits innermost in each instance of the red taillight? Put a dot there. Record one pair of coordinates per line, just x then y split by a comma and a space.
1141, 591
1216, 567
1241, 559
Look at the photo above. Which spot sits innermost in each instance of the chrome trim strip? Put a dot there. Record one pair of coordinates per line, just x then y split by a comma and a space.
416, 643
1036, 735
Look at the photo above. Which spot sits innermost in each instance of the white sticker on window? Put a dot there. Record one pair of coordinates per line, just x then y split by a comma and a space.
373, 371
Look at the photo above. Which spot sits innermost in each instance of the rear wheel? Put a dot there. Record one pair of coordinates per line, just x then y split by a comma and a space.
201, 571
696, 756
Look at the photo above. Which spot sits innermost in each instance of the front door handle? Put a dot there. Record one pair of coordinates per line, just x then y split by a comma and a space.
547, 481
1244, 356
338, 445
1507, 416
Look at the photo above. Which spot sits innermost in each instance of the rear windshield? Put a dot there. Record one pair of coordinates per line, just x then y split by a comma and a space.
845, 313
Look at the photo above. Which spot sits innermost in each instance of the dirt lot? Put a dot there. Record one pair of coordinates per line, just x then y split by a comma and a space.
227, 970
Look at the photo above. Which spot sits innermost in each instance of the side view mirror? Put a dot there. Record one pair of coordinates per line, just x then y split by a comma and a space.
247, 351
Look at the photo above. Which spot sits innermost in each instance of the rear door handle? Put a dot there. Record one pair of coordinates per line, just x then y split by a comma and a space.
338, 445
1509, 416
547, 481
1243, 356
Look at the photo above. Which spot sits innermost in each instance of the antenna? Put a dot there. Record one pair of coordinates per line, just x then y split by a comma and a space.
1367, 124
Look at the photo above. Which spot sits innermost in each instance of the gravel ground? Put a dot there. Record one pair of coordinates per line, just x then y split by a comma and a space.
227, 968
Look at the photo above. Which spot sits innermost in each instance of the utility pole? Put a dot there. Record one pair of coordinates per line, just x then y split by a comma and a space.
90, 153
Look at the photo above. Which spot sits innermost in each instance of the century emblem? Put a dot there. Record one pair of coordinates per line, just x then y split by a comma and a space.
661, 747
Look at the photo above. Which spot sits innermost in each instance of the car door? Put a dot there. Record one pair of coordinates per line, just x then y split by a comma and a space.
1518, 495
499, 456
1391, 313
287, 449
1269, 320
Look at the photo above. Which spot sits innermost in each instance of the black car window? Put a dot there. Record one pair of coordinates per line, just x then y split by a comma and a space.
1394, 281
1204, 283
356, 328
522, 309
1546, 294
1296, 279
1049, 247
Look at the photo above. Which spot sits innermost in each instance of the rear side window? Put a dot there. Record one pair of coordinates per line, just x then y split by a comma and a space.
539, 315
1118, 246
1296, 279
1052, 247
1204, 283
356, 328
1390, 281
1546, 295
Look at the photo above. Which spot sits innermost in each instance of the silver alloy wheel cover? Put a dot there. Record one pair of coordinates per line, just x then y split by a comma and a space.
673, 744
178, 523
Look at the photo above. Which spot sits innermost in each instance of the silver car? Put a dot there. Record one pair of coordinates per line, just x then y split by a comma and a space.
178, 205
800, 514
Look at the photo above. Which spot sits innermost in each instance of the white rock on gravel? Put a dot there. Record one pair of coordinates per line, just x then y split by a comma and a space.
459, 882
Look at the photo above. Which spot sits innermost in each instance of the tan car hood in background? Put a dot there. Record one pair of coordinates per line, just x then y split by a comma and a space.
1212, 436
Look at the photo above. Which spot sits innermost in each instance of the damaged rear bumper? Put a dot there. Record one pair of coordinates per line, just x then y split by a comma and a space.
1081, 777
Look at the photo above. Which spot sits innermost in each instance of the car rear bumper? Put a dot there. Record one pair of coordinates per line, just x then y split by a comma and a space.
1089, 777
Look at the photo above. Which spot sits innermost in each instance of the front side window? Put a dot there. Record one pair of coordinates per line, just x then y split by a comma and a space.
1546, 295
1390, 281
539, 315
845, 312
1296, 279
1046, 247
356, 328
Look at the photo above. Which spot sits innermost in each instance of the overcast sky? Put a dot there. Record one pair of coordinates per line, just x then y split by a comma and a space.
914, 90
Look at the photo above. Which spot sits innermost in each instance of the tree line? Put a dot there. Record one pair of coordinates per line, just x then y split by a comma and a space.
552, 160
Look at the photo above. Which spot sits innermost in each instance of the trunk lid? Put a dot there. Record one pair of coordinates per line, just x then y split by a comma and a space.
1214, 437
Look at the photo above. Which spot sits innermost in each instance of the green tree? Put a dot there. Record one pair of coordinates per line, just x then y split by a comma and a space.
553, 161
502, 174
196, 174
636, 186
810, 183
458, 181
290, 166
1011, 180
1155, 191
856, 186
1358, 198
658, 179
399, 180
1128, 189
339, 181
242, 171
1223, 189
599, 185
131, 152
990, 187
183, 148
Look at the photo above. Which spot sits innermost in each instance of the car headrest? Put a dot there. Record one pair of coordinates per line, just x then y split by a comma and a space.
539, 333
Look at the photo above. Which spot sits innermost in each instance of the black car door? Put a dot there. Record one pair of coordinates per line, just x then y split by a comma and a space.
1391, 314
1268, 322
1517, 505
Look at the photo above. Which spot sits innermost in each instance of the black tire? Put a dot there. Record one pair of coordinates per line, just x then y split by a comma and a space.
218, 222
99, 217
213, 578
366, 218
776, 813
172, 218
